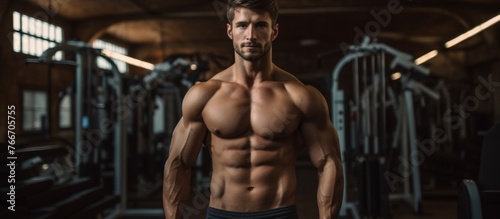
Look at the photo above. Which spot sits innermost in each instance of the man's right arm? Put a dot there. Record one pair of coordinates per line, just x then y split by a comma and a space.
186, 143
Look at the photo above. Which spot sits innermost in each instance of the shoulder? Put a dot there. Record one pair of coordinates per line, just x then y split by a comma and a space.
201, 92
197, 96
308, 100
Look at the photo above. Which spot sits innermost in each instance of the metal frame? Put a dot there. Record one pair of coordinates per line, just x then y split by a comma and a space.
81, 49
338, 115
158, 73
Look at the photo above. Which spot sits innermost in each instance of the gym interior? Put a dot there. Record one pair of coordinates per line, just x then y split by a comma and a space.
92, 91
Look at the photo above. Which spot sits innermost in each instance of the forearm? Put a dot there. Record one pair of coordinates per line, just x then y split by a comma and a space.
330, 190
176, 185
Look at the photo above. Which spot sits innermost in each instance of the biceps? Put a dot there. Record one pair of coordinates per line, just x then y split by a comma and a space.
321, 144
186, 142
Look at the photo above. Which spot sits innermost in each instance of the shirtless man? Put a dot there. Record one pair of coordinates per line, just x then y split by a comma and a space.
254, 118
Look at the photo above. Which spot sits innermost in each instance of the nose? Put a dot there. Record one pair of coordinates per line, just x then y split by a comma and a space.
250, 33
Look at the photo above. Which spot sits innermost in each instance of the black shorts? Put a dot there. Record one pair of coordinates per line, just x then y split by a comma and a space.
288, 212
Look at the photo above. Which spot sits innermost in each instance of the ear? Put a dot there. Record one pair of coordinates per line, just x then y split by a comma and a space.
229, 31
274, 34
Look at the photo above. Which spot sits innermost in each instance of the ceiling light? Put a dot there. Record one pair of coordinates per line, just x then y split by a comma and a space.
396, 76
129, 60
426, 57
472, 32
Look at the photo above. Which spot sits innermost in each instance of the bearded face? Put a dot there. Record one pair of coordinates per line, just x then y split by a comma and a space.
252, 33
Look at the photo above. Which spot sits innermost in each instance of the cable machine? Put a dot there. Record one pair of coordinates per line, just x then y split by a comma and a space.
365, 117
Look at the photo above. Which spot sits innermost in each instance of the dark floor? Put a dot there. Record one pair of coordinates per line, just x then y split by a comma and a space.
433, 206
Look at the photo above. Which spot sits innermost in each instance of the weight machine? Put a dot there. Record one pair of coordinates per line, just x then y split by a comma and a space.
90, 133
365, 117
99, 96
155, 102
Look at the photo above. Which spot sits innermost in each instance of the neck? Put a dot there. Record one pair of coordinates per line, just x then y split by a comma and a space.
253, 72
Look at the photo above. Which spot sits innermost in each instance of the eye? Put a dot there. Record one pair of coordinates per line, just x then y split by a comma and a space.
261, 25
241, 25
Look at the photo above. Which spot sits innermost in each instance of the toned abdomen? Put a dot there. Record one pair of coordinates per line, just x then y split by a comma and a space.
250, 176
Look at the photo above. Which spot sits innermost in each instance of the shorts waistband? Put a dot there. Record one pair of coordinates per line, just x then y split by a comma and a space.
287, 212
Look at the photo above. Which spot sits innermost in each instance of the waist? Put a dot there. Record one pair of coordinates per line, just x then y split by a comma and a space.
287, 212
258, 193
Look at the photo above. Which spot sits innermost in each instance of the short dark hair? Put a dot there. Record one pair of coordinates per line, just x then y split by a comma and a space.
270, 6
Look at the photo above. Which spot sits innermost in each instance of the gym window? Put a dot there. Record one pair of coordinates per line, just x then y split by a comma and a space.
102, 63
65, 111
34, 110
32, 36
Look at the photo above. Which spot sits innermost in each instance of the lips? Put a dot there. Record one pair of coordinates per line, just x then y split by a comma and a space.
251, 45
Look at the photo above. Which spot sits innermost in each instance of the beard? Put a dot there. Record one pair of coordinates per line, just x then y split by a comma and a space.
255, 55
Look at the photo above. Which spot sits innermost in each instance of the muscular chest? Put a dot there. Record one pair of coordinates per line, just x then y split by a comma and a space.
235, 112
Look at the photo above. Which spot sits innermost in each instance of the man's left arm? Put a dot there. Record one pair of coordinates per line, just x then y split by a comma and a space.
321, 141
